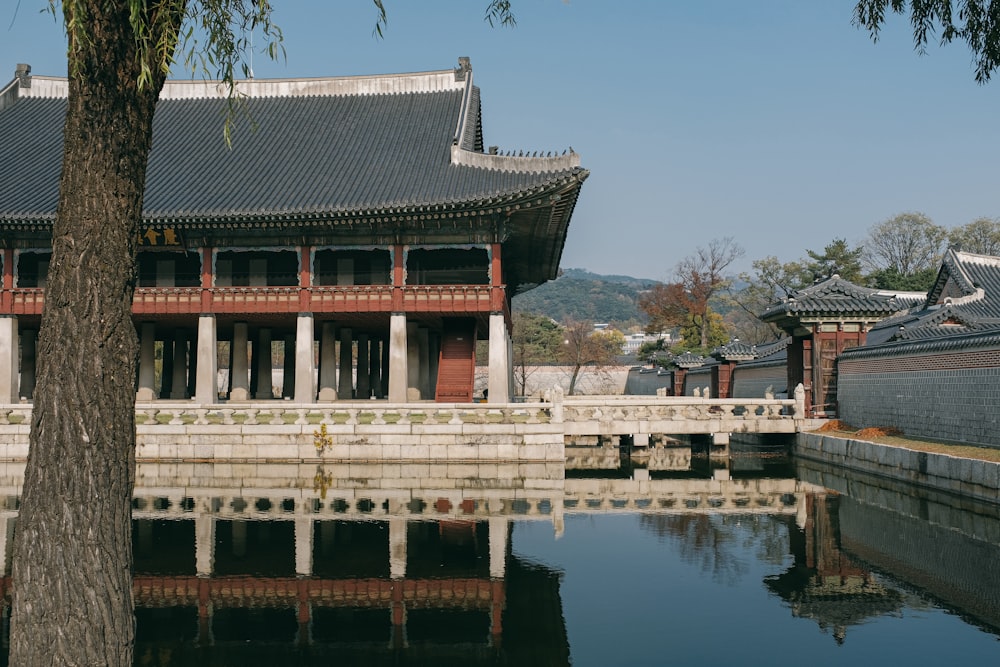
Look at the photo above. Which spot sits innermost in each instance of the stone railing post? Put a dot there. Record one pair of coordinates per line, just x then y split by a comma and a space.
800, 402
557, 405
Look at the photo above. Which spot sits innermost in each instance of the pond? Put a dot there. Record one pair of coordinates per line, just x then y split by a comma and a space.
761, 562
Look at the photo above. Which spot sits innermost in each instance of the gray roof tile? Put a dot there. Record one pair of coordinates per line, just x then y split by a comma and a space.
291, 155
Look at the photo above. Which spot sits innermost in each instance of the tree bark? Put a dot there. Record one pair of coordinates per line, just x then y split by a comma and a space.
72, 570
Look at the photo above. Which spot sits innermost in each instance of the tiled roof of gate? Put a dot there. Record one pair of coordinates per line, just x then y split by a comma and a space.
965, 299
312, 151
838, 296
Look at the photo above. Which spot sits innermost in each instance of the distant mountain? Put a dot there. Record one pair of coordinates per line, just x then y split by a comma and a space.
584, 274
581, 295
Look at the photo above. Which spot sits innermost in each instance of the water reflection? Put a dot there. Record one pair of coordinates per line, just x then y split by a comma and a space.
442, 564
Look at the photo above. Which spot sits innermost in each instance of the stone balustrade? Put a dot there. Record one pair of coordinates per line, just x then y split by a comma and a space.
380, 431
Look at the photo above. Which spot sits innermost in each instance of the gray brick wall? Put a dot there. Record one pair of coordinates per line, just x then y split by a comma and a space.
753, 382
957, 405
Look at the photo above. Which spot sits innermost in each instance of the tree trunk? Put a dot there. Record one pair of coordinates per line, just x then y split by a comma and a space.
72, 571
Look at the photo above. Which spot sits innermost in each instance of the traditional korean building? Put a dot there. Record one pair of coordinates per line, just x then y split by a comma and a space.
358, 221
822, 321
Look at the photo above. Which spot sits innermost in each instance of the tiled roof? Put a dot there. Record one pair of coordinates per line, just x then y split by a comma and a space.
836, 296
308, 154
735, 350
688, 360
964, 300
769, 354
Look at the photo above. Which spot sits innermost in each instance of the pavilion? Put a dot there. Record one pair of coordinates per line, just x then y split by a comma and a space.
358, 221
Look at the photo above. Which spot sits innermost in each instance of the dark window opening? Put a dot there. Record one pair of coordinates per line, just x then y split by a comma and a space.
352, 267
447, 266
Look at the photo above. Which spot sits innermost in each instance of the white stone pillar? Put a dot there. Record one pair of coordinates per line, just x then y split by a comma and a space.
500, 368
398, 358
288, 370
28, 338
207, 384
8, 360
204, 544
327, 363
303, 545
305, 362
345, 384
239, 369
265, 378
412, 362
424, 373
375, 368
397, 548
179, 382
499, 530
147, 357
364, 391
511, 390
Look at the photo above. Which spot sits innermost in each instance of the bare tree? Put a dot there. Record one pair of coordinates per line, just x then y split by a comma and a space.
906, 244
684, 302
583, 347
981, 236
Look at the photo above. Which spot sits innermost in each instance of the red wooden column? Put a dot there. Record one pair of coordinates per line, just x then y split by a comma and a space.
497, 298
8, 280
206, 279
679, 375
807, 373
397, 278
305, 279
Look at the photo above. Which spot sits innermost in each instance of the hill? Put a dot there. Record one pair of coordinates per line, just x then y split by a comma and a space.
581, 295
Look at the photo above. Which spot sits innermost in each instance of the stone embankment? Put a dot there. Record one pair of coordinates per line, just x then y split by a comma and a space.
968, 477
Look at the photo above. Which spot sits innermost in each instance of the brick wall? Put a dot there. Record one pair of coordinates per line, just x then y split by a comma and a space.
940, 391
753, 381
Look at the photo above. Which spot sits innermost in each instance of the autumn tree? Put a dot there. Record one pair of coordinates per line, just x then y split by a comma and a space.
72, 593
975, 22
903, 252
684, 303
583, 347
981, 236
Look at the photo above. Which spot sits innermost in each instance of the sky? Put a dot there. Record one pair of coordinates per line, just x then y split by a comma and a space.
775, 122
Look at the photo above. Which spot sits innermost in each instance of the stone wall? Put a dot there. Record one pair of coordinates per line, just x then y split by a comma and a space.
967, 477
947, 389
754, 381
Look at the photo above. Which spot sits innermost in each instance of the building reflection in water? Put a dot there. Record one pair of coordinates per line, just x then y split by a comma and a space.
826, 584
412, 564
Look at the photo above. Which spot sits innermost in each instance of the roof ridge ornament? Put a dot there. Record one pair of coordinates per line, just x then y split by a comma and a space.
23, 75
464, 67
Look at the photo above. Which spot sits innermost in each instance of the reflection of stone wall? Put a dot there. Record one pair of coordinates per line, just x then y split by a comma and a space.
958, 569
935, 541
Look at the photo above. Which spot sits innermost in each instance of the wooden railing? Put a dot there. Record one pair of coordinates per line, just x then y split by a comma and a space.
459, 299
